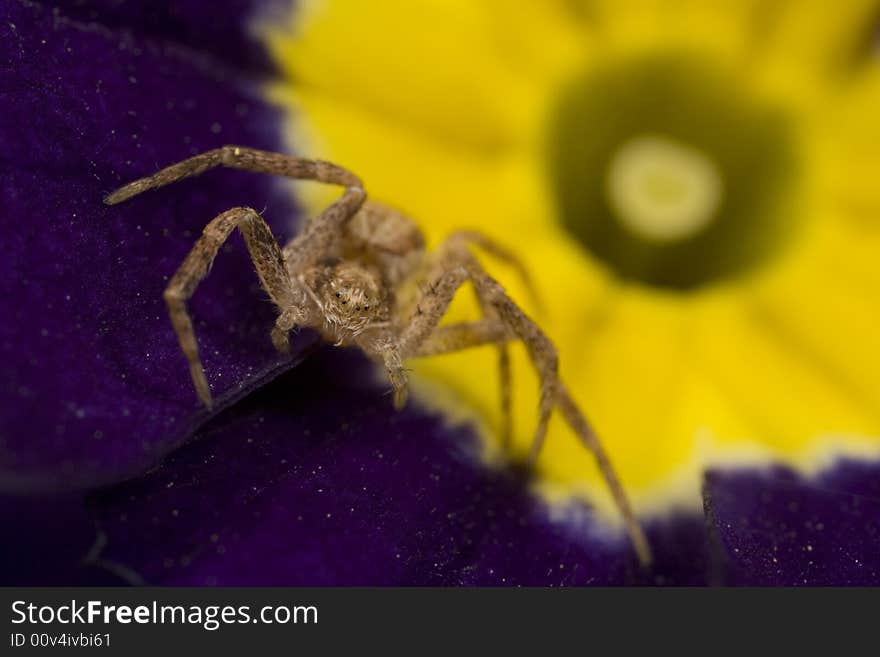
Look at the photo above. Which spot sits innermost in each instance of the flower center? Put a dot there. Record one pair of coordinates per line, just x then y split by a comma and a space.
663, 189
672, 172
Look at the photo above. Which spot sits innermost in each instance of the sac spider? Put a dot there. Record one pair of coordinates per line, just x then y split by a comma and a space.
359, 274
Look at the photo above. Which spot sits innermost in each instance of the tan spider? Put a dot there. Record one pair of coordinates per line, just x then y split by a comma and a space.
350, 274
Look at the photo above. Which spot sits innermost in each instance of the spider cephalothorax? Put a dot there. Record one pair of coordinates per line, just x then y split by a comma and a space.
349, 295
359, 274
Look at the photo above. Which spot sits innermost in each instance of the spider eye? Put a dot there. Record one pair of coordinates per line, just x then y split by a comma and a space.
338, 295
357, 307
366, 307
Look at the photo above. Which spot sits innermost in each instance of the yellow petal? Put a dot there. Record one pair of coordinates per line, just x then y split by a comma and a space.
542, 40
632, 381
824, 307
428, 65
846, 138
724, 29
635, 374
785, 392
443, 186
821, 40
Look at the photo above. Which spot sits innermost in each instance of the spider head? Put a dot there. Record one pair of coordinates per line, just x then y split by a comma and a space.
353, 297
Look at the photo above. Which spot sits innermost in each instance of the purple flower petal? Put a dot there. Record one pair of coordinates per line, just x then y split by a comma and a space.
781, 529
44, 541
317, 480
94, 385
225, 33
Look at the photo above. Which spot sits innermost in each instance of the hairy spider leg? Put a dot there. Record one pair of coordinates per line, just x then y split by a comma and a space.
273, 265
268, 261
587, 435
544, 355
239, 157
456, 247
459, 336
382, 345
416, 340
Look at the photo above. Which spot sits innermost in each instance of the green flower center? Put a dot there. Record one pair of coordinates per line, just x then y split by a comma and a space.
668, 172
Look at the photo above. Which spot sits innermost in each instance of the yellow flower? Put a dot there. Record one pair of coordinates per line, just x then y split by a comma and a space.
695, 185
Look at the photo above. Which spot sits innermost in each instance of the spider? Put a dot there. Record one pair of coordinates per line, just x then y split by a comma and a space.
359, 274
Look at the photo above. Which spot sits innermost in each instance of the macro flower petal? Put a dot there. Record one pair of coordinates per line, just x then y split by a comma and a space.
778, 528
316, 480
229, 36
449, 89
822, 40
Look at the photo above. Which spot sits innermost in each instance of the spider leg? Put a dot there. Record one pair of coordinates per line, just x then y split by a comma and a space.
461, 239
456, 337
454, 265
462, 335
455, 248
423, 337
319, 234
504, 376
541, 351
381, 345
554, 393
267, 259
283, 326
504, 373
432, 305
587, 435
307, 248
396, 373
392, 350
239, 157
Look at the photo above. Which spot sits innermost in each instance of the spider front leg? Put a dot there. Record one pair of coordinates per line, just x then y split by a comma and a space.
268, 261
432, 305
273, 265
463, 335
456, 249
381, 345
541, 351
555, 394
239, 157
423, 337
390, 347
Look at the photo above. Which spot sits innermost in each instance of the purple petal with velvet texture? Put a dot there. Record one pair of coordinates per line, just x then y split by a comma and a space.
315, 479
46, 541
93, 382
781, 529
223, 31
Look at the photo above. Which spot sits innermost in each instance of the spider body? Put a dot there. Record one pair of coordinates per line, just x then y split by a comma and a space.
350, 298
352, 288
360, 275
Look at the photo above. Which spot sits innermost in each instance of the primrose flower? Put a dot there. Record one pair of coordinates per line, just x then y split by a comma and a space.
692, 184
